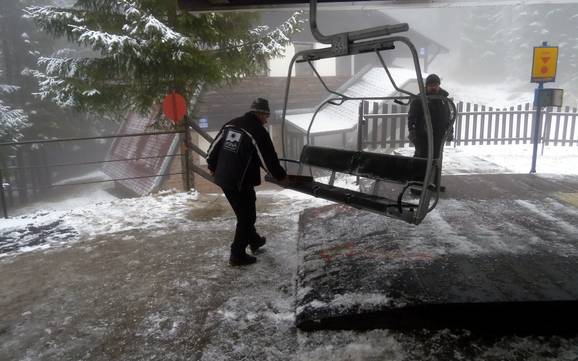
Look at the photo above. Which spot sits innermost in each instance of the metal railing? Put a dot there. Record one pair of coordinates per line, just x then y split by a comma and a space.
39, 175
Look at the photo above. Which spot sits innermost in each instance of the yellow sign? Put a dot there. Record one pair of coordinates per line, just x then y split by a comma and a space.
544, 64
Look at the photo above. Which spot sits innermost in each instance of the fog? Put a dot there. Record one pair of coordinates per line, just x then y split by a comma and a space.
488, 44
495, 43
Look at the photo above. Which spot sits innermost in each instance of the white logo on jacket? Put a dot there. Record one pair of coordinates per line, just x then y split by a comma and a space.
233, 140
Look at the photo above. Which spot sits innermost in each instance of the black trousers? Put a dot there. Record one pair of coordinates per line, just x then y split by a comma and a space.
420, 143
243, 204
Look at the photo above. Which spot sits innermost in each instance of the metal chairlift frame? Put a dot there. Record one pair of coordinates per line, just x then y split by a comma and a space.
374, 39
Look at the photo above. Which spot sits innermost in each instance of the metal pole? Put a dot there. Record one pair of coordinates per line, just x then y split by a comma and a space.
547, 125
360, 128
537, 122
360, 132
187, 155
3, 199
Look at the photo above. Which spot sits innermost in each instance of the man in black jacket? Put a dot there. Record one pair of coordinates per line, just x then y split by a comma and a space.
440, 118
234, 158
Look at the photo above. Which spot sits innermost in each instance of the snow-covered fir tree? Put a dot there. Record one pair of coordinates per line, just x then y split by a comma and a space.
141, 49
533, 24
482, 43
12, 120
14, 49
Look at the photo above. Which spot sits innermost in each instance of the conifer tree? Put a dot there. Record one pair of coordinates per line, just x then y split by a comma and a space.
135, 51
15, 53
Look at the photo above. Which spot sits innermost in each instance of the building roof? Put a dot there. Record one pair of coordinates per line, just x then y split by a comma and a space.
372, 83
219, 105
147, 155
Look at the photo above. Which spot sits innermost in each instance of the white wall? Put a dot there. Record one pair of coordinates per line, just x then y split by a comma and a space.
280, 66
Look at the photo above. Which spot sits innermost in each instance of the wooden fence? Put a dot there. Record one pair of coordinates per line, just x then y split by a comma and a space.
386, 125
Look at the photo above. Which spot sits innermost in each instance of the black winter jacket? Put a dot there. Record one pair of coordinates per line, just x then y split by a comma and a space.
440, 116
239, 149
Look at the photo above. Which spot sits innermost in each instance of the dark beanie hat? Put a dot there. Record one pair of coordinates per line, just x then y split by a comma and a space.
432, 79
260, 105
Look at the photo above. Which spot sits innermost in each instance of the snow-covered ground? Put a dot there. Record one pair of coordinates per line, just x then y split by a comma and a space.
255, 320
92, 210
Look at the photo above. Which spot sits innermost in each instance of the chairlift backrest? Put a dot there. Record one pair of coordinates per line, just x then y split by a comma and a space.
366, 164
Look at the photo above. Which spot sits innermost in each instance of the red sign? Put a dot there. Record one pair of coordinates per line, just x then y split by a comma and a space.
175, 107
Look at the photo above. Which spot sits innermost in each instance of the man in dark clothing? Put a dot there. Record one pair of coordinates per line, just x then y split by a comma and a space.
234, 158
440, 118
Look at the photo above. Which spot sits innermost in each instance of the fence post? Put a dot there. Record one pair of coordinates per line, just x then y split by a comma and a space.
511, 126
482, 124
556, 126
475, 125
360, 127
573, 126
467, 125
497, 126
186, 148
564, 131
374, 122
21, 180
360, 131
504, 124
458, 125
489, 130
526, 123
403, 126
518, 123
384, 125
3, 199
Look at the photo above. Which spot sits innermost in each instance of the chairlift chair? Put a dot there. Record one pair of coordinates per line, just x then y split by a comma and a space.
408, 171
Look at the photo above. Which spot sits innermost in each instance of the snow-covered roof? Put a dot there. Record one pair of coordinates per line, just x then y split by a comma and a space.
373, 83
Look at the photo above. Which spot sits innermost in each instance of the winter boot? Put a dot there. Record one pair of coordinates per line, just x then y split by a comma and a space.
257, 243
241, 259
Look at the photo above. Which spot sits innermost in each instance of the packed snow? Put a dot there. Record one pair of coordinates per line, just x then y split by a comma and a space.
92, 210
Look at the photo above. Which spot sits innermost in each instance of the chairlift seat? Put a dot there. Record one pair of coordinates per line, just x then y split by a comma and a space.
387, 167
364, 164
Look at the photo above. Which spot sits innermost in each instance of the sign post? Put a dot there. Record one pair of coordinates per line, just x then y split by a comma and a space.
543, 71
175, 108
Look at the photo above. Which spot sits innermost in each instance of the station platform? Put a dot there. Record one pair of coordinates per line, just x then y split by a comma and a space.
498, 254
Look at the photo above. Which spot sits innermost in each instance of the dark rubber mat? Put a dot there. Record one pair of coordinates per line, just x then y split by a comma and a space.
481, 262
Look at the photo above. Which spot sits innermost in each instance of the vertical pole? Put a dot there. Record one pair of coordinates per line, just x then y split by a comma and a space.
2, 198
360, 128
187, 154
21, 179
537, 122
547, 126
359, 132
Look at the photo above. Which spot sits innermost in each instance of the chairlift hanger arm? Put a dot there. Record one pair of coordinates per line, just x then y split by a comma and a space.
390, 77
